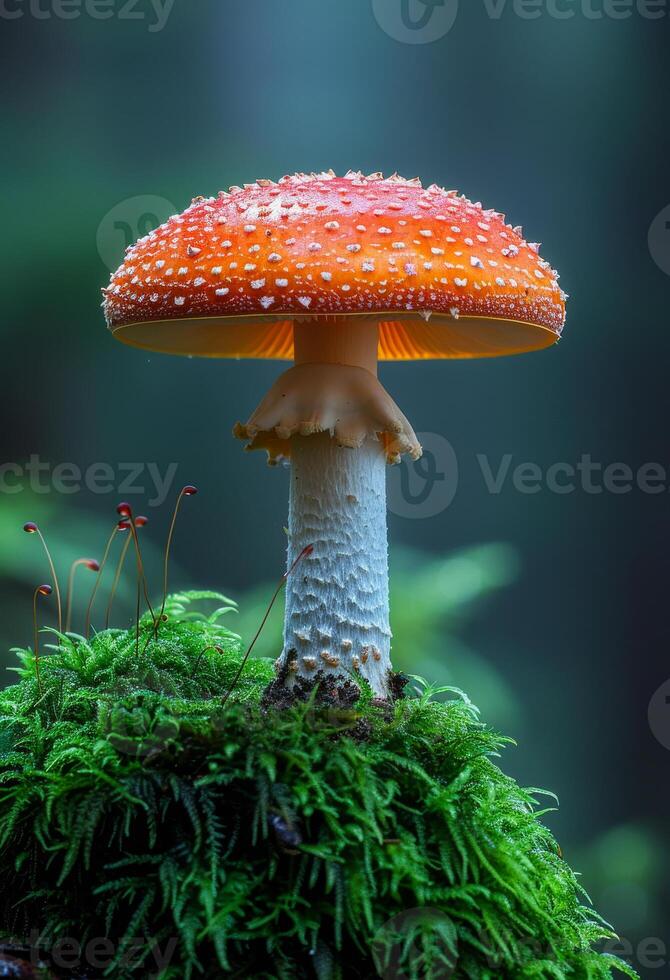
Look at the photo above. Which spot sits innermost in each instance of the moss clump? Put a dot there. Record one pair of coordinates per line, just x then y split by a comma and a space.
243, 842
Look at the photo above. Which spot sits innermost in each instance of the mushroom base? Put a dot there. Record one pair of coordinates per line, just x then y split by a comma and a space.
337, 605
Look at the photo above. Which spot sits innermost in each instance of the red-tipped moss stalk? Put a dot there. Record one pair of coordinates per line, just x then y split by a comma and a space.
44, 590
188, 491
120, 526
117, 574
125, 511
133, 524
31, 528
303, 554
89, 563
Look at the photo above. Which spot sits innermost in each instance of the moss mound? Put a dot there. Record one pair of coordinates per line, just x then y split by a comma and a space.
150, 829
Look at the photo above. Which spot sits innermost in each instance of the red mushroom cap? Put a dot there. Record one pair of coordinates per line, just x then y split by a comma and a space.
443, 276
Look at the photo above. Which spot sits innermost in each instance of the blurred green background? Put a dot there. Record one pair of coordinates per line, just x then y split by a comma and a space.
549, 608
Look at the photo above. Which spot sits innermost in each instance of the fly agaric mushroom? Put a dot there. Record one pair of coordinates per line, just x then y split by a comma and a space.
335, 273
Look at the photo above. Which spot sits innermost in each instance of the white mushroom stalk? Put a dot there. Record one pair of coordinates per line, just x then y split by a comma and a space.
340, 428
337, 600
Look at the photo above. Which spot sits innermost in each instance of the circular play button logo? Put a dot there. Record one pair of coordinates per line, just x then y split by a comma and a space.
414, 943
415, 21
659, 714
659, 240
423, 488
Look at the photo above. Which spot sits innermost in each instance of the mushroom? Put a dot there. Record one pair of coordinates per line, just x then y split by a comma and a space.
335, 273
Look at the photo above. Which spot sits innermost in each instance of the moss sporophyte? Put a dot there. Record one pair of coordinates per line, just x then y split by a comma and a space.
202, 811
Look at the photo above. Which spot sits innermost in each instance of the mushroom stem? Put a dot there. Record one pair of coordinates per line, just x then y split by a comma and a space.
341, 341
330, 415
337, 604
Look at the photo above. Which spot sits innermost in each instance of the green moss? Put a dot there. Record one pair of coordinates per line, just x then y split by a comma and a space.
312, 842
